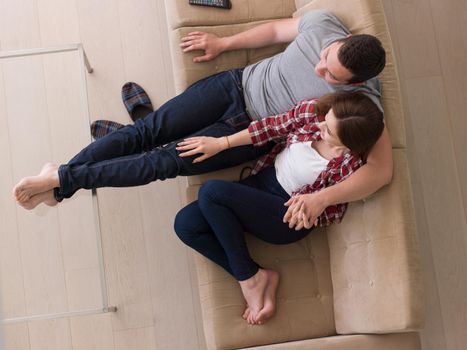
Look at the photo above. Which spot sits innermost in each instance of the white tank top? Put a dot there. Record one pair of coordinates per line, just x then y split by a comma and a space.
298, 165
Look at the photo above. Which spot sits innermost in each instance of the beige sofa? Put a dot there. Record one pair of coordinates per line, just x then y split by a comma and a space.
356, 285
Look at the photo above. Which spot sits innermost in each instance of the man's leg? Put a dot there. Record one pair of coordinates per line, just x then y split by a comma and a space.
158, 164
202, 104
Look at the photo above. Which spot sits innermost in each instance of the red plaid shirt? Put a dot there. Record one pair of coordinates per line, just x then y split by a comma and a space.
300, 124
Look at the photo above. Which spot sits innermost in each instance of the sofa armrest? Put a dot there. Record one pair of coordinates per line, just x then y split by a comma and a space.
181, 14
375, 264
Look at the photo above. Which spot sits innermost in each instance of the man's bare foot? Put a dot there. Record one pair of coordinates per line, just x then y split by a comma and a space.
269, 307
33, 185
253, 290
43, 197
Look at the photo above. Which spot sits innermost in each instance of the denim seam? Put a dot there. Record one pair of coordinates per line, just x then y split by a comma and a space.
226, 119
232, 200
237, 83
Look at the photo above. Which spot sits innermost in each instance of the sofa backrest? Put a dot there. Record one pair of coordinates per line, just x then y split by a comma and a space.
182, 14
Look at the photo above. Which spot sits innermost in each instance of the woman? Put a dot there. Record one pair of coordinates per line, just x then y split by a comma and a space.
320, 143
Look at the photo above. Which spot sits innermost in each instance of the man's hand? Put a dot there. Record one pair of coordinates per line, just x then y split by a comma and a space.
304, 210
211, 44
208, 146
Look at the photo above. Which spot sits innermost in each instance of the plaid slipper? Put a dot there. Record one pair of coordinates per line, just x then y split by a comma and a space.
136, 101
100, 128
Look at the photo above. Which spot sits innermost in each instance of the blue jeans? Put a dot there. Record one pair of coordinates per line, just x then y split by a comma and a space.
215, 224
145, 151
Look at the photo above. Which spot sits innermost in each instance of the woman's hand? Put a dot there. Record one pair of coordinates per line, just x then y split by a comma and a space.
210, 43
206, 145
304, 210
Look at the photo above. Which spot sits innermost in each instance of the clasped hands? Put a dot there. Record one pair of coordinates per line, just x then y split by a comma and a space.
303, 210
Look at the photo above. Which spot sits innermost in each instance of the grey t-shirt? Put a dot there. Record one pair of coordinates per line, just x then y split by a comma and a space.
276, 84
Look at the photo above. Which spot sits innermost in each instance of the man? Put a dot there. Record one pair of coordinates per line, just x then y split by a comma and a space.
328, 66
320, 58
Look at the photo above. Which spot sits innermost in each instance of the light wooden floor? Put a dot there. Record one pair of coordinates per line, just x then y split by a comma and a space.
49, 268
431, 43
147, 269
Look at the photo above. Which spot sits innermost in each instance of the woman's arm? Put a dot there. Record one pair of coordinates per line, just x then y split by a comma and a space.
210, 146
281, 125
259, 132
366, 180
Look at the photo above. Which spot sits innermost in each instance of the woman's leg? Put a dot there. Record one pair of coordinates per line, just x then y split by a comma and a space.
193, 230
233, 208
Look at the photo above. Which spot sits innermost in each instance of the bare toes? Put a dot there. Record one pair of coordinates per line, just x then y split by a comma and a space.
246, 313
43, 197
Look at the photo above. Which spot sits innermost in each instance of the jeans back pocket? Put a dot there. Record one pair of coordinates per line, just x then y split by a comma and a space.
239, 122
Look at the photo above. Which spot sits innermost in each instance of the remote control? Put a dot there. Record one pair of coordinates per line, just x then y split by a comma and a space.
224, 4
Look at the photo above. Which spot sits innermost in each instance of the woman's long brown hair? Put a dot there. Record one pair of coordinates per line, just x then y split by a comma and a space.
360, 121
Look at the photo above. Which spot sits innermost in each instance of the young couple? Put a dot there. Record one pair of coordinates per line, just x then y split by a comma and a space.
325, 79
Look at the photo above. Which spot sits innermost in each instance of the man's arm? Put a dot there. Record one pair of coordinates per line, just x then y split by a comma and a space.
274, 32
366, 180
376, 173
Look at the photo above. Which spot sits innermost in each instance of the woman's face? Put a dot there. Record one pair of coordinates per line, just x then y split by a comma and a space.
328, 130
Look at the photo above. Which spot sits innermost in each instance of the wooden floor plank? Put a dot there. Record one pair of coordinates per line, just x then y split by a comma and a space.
443, 201
139, 338
169, 270
415, 29
92, 332
432, 335
58, 22
69, 132
19, 25
17, 337
30, 144
452, 44
14, 304
50, 334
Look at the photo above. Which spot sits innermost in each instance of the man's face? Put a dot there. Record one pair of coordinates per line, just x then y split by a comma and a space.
330, 69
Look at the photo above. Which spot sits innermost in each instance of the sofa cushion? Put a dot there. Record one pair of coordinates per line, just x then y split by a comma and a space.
181, 14
304, 298
367, 16
375, 264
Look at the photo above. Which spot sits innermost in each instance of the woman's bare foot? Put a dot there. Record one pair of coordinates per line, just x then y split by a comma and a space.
246, 314
43, 197
253, 290
33, 185
269, 307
